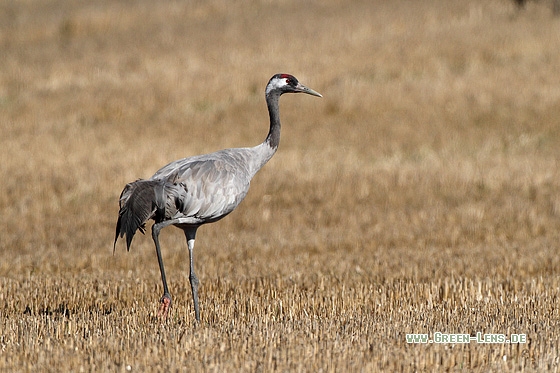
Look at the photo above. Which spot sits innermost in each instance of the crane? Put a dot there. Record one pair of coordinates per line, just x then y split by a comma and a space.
193, 191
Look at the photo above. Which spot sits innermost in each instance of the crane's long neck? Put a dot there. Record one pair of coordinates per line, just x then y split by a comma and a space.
273, 138
265, 150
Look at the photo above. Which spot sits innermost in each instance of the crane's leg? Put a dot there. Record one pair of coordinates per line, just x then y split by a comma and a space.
190, 234
166, 298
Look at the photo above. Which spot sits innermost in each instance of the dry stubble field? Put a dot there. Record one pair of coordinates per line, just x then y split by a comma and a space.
420, 195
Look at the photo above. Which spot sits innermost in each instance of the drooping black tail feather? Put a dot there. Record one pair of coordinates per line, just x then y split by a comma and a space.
139, 202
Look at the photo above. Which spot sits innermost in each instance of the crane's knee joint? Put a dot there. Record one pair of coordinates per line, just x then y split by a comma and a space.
155, 231
194, 280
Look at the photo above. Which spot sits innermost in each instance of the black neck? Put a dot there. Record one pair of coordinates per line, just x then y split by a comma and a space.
273, 138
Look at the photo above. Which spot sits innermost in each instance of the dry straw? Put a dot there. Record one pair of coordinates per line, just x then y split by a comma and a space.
421, 195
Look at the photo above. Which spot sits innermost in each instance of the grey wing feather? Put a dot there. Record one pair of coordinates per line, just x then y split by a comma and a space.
136, 207
147, 199
214, 184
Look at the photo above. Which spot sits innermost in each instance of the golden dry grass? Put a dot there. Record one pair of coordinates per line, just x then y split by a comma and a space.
421, 194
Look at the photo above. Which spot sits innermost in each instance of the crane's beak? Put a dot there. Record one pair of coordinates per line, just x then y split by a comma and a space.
303, 89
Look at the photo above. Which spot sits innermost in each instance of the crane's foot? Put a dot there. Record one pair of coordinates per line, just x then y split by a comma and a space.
165, 305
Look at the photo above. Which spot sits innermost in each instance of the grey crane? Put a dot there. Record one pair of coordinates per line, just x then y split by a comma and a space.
193, 191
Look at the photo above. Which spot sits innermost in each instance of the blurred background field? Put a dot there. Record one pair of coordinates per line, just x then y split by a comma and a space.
421, 194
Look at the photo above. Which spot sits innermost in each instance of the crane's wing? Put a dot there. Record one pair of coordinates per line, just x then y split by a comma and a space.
214, 184
142, 200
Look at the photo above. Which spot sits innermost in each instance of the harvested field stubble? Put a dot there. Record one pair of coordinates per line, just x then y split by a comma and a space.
420, 195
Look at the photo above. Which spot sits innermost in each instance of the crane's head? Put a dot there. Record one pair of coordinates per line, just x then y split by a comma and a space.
286, 83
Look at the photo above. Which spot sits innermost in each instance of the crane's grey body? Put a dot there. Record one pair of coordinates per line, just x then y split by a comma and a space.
214, 183
202, 189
